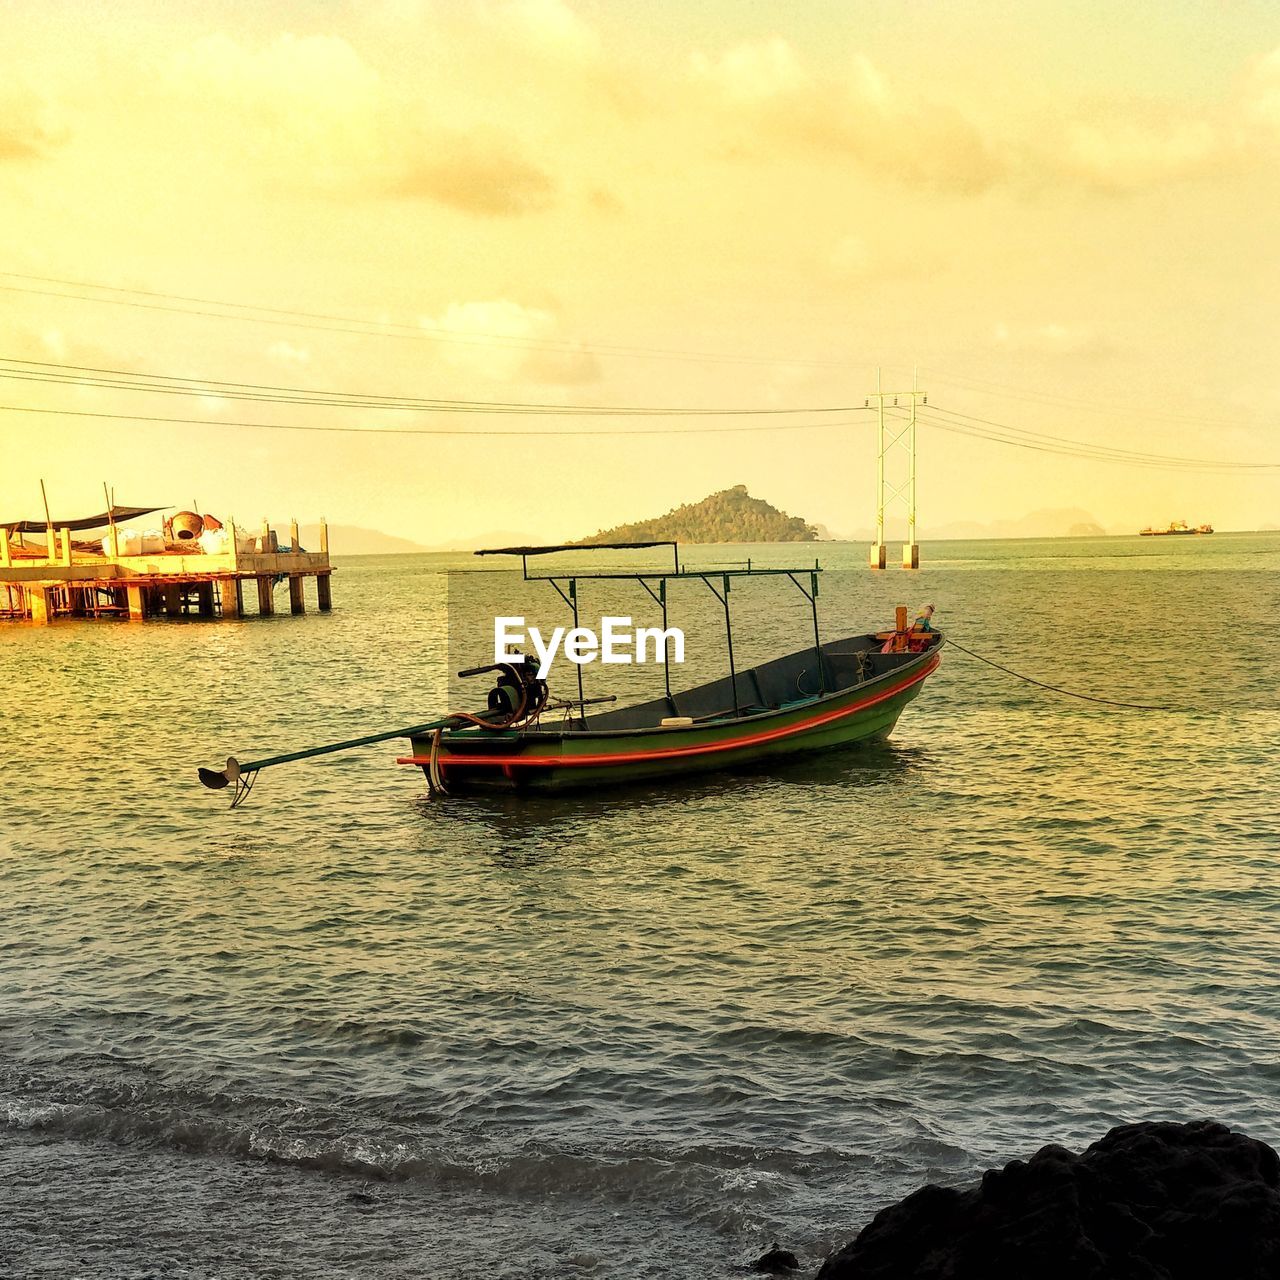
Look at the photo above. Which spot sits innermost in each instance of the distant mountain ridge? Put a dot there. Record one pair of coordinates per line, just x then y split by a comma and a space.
732, 515
350, 540
490, 538
1048, 522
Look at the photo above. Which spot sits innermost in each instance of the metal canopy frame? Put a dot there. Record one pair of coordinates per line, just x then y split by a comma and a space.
566, 586
525, 552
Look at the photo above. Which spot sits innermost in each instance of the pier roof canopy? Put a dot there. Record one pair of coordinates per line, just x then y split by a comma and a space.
116, 514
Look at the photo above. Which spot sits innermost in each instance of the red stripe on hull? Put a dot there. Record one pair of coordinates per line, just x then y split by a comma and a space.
447, 761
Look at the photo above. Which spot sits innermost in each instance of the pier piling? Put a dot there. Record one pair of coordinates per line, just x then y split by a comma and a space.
229, 597
40, 602
296, 604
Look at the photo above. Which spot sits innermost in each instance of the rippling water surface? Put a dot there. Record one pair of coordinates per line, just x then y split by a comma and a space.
350, 1031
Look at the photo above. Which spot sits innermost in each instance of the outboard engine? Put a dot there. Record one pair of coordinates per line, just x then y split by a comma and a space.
517, 694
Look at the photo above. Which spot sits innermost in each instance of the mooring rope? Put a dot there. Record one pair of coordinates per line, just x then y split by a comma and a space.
1053, 688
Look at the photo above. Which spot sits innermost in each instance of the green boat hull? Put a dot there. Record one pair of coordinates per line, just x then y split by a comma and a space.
595, 754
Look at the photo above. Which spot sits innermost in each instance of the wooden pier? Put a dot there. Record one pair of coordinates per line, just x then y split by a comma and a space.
68, 580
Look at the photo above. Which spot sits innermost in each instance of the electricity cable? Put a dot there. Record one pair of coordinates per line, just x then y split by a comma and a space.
170, 384
529, 432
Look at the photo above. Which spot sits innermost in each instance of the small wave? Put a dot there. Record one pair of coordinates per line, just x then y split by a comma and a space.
759, 1035
698, 1179
354, 1031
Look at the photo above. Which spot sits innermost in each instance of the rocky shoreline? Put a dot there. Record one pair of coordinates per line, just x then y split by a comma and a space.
1153, 1201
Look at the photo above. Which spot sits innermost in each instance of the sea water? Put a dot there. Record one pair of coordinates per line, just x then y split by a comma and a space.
348, 1030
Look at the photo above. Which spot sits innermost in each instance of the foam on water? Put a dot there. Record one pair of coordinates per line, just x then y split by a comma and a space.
642, 1032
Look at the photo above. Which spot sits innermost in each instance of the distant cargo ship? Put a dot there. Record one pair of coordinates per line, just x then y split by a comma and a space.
1176, 526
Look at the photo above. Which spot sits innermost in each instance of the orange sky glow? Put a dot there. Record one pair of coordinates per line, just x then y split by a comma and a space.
1063, 214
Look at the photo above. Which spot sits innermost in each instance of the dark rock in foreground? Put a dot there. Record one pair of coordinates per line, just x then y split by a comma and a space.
1147, 1202
776, 1261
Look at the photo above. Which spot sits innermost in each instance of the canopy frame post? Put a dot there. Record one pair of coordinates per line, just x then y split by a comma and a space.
660, 597
571, 599
811, 595
728, 631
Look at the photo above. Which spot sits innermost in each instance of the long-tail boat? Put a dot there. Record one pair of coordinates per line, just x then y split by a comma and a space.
827, 695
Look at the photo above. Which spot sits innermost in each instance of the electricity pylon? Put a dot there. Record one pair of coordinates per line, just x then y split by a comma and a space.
896, 471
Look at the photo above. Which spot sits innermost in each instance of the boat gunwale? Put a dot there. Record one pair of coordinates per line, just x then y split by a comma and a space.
474, 734
917, 672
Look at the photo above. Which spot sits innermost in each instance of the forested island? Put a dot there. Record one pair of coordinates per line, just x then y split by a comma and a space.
732, 515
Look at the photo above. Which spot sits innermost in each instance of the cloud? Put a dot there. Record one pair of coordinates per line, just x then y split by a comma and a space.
1139, 148
780, 106
777, 106
52, 343
605, 201
286, 353
503, 341
306, 87
30, 125
1054, 340
567, 367
1135, 145
1260, 91
546, 49
476, 174
760, 72
311, 113
304, 111
854, 260
549, 27
292, 73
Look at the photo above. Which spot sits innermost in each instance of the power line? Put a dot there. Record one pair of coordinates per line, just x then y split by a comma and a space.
1061, 450
1109, 449
119, 379
326, 322
1092, 453
168, 384
432, 431
940, 417
1110, 452
954, 422
385, 328
532, 432
1006, 390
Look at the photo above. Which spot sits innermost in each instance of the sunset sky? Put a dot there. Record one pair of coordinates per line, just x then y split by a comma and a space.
1064, 213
